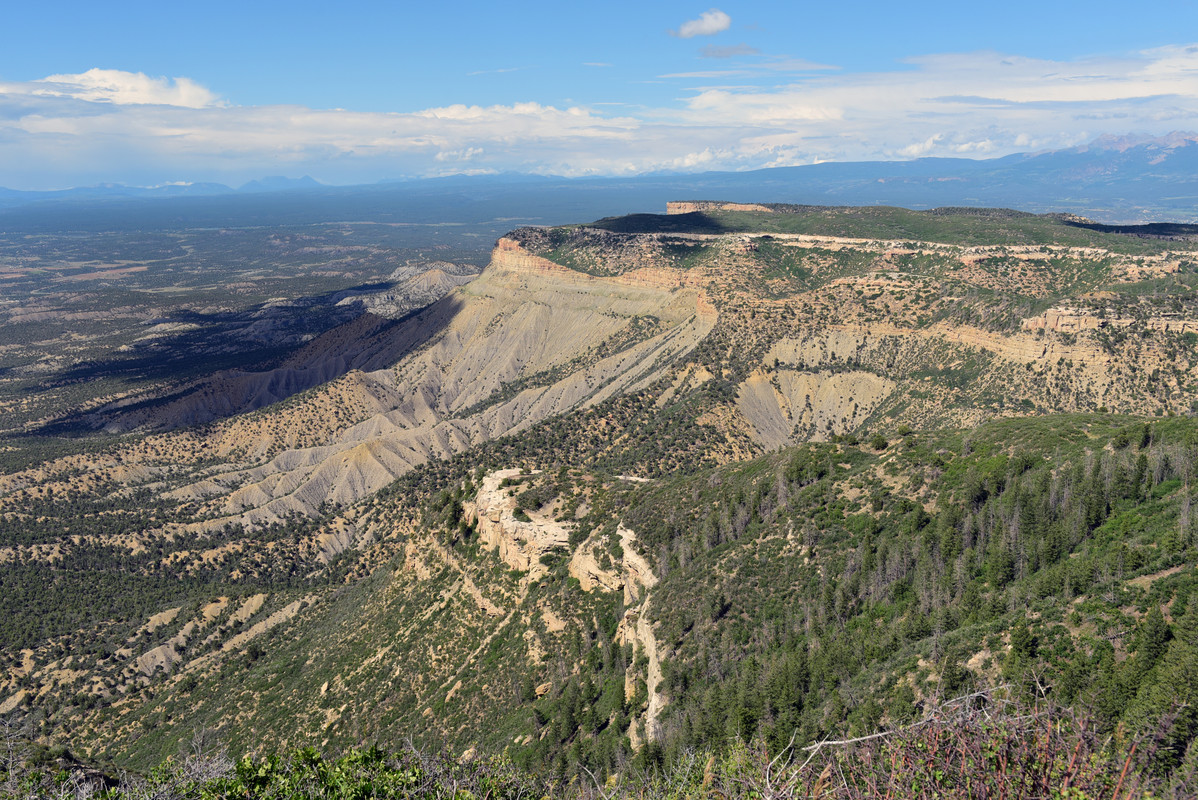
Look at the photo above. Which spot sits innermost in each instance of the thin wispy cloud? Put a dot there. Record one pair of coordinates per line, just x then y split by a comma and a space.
757, 67
794, 66
787, 64
497, 71
731, 51
709, 23
469, 154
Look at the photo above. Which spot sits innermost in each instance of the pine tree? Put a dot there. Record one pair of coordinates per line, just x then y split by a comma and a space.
1153, 637
1167, 705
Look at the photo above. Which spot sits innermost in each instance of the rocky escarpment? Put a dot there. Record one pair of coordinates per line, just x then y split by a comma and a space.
527, 340
664, 354
631, 574
684, 207
563, 320
538, 335
1074, 320
520, 542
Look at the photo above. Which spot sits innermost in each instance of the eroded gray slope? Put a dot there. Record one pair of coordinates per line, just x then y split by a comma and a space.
564, 339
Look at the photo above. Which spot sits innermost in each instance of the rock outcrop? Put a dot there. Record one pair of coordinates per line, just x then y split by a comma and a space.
631, 574
1073, 320
520, 544
682, 207
635, 577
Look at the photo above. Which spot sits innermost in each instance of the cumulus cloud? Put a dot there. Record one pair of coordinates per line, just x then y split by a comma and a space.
922, 148
126, 127
125, 88
709, 23
971, 103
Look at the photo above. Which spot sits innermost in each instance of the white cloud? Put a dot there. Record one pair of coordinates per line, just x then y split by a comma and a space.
469, 154
127, 127
974, 103
709, 23
922, 148
125, 88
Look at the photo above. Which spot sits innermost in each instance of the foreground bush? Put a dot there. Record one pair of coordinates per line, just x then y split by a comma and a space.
975, 747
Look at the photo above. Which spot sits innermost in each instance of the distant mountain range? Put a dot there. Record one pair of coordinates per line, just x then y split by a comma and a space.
1112, 179
276, 183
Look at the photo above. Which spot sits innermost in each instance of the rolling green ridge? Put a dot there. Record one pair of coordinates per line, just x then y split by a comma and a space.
809, 591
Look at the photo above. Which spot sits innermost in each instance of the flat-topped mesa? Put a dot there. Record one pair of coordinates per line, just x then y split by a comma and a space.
692, 207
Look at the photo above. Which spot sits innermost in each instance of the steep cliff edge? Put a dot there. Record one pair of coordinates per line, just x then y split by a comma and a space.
632, 575
520, 543
528, 340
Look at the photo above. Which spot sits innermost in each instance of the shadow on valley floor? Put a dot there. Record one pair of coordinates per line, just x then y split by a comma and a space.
204, 374
207, 341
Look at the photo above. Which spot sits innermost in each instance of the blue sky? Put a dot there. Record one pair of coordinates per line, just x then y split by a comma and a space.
147, 93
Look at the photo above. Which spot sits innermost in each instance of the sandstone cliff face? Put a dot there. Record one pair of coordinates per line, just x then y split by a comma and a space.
1073, 320
520, 544
633, 575
690, 208
584, 566
645, 637
510, 256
